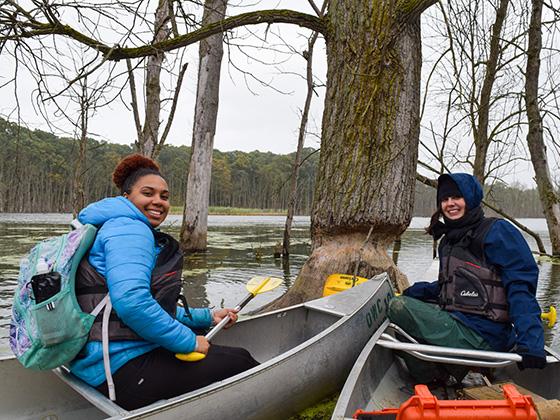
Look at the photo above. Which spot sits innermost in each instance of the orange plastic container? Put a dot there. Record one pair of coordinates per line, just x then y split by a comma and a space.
423, 405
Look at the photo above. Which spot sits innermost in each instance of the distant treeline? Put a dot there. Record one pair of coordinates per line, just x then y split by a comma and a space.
37, 171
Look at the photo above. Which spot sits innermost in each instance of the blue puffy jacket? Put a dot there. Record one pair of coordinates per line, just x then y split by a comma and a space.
505, 249
125, 253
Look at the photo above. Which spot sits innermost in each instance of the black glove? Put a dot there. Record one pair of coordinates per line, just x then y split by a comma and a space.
531, 362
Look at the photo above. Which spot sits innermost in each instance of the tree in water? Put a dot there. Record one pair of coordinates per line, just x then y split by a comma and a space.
550, 199
194, 229
308, 55
369, 142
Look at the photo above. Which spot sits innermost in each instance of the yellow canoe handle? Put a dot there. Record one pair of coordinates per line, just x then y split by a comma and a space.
549, 316
190, 357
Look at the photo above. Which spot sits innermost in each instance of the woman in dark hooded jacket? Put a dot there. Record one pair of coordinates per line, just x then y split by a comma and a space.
486, 289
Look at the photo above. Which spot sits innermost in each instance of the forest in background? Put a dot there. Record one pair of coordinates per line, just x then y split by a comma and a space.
37, 169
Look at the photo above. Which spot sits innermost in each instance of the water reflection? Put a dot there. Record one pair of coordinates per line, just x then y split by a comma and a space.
240, 247
548, 294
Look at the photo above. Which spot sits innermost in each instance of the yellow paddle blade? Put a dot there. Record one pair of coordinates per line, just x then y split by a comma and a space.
550, 316
261, 284
339, 282
190, 357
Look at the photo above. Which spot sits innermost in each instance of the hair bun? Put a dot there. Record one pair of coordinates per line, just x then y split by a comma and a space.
130, 164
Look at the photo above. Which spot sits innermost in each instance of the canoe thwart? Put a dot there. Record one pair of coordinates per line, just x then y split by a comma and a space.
457, 356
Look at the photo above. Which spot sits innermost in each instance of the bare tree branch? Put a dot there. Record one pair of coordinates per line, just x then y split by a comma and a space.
173, 107
31, 28
134, 98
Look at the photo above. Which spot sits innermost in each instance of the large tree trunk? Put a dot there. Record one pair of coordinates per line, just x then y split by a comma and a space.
549, 197
150, 133
195, 216
369, 143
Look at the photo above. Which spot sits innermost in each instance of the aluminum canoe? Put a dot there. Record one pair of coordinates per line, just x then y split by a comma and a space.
379, 380
305, 353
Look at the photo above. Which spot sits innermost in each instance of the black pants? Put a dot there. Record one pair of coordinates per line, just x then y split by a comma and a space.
160, 375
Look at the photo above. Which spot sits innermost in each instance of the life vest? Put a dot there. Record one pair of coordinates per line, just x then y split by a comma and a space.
467, 282
165, 287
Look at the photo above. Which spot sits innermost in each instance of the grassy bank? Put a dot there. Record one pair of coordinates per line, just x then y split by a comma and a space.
235, 211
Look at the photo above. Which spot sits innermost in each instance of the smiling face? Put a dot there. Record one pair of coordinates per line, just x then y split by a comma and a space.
150, 194
453, 207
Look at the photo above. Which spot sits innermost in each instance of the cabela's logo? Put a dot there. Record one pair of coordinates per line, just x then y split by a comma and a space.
469, 293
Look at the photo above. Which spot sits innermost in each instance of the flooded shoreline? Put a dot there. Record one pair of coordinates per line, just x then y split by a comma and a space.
240, 247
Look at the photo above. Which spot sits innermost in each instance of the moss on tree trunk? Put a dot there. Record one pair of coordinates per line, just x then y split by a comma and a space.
369, 143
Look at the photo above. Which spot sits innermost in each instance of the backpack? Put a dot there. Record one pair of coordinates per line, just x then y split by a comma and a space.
51, 333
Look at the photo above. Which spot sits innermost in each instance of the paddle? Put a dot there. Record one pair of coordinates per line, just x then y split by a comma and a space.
340, 282
550, 316
255, 286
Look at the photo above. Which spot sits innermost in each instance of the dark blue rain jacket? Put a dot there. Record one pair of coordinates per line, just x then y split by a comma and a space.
505, 249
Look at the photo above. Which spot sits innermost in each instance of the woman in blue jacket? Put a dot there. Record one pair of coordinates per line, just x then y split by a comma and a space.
140, 269
486, 291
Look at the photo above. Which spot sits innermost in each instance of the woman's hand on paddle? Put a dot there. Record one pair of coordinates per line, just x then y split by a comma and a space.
219, 314
202, 344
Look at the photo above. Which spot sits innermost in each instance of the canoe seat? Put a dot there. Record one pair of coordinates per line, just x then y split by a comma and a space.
89, 393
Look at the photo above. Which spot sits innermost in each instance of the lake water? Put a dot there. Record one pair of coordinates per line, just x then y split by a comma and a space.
240, 247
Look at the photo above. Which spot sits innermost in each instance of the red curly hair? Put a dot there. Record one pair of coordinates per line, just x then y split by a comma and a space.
133, 165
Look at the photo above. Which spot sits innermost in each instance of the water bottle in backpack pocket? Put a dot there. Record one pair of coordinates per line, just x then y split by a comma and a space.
45, 284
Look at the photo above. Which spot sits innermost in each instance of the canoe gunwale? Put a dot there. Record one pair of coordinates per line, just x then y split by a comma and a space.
327, 311
163, 405
89, 393
354, 376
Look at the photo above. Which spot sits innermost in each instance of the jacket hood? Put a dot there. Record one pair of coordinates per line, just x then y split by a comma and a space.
469, 187
110, 208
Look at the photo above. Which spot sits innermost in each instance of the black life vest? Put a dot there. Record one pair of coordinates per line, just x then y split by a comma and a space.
467, 282
165, 287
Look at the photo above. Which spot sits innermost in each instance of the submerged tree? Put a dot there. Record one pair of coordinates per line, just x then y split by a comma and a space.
369, 141
308, 55
194, 228
550, 198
